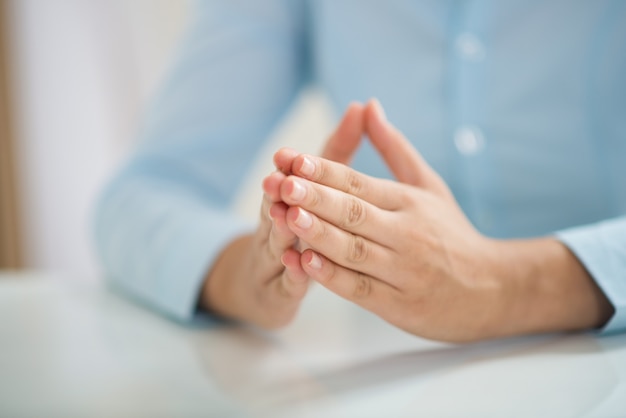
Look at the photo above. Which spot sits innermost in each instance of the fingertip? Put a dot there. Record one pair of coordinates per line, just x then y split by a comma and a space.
312, 263
271, 185
291, 261
342, 144
354, 106
299, 221
315, 261
279, 220
304, 166
285, 188
284, 152
283, 260
353, 116
376, 124
290, 218
292, 190
377, 110
278, 211
283, 159
266, 184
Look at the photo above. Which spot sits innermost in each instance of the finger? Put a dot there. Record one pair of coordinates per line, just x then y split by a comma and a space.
287, 289
291, 261
282, 300
293, 281
343, 210
271, 185
366, 291
283, 159
342, 144
349, 250
273, 226
385, 194
281, 237
401, 157
265, 225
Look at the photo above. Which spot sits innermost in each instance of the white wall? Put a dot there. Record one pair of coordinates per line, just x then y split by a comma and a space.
83, 71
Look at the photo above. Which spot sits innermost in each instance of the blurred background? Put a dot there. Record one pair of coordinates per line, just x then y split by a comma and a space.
75, 76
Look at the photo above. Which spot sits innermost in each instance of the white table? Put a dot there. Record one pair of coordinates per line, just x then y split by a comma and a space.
71, 349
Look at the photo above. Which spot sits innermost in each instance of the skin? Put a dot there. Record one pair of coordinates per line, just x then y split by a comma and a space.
345, 229
257, 279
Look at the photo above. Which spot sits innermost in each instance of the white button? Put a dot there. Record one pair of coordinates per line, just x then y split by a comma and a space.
469, 46
469, 140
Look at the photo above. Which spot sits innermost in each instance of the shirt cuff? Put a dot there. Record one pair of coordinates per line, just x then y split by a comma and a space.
188, 262
166, 271
601, 248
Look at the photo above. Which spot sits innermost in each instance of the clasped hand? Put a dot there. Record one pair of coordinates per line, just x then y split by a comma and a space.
401, 249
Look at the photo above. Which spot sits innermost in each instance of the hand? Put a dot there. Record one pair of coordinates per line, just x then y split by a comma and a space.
406, 251
249, 280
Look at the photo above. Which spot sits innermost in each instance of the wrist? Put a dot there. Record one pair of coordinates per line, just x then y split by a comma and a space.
545, 288
218, 294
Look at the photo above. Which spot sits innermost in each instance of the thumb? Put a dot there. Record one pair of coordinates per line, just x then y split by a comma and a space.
406, 164
343, 143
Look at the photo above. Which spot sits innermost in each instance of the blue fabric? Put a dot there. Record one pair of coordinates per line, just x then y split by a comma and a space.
520, 105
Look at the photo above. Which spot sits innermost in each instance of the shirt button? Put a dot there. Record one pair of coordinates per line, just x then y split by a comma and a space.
469, 140
470, 46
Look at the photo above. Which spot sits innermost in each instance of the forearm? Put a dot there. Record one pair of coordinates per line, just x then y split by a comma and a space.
547, 289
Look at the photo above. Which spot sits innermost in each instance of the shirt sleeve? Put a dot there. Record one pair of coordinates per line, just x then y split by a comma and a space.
162, 221
601, 248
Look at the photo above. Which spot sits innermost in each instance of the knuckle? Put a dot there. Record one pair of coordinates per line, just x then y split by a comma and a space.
315, 199
355, 213
329, 275
363, 286
357, 250
321, 171
407, 198
353, 183
320, 232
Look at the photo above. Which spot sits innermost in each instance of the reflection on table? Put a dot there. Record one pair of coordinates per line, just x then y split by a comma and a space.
73, 349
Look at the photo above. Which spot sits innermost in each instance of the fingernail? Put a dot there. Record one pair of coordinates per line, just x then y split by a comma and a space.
315, 262
308, 168
304, 219
298, 191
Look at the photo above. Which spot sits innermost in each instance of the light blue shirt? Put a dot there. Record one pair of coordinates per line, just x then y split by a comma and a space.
519, 105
